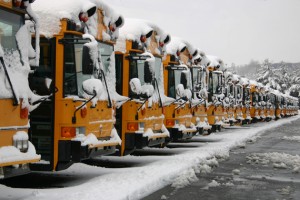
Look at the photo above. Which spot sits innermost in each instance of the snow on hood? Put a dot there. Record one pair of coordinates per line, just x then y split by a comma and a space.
177, 44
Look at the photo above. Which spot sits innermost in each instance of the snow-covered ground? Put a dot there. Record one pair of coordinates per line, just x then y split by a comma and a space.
178, 167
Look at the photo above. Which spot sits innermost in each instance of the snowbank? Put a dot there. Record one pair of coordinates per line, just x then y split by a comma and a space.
138, 182
12, 154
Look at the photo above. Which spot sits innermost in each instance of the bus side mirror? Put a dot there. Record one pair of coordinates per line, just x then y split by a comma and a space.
148, 74
92, 87
87, 62
183, 80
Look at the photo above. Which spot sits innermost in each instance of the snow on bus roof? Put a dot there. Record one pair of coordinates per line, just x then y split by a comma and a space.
253, 82
235, 77
244, 81
134, 28
51, 12
177, 44
214, 60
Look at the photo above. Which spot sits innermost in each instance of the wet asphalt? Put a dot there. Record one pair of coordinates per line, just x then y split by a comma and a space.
242, 178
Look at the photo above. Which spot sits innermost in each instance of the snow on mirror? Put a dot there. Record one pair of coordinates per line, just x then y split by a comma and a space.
144, 91
93, 87
135, 86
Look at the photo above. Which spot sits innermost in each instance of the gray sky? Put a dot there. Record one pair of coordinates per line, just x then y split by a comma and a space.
234, 30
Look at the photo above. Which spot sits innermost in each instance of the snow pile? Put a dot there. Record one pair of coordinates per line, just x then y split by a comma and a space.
292, 138
279, 160
91, 139
150, 134
236, 172
12, 154
213, 183
285, 191
185, 179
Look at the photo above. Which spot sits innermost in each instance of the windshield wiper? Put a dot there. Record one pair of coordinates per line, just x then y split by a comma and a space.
108, 95
160, 101
15, 100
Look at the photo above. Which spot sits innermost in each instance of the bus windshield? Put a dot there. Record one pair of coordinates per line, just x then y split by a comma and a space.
141, 69
73, 76
10, 23
216, 83
198, 76
105, 50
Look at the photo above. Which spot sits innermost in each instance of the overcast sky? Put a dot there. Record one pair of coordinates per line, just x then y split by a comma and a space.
234, 30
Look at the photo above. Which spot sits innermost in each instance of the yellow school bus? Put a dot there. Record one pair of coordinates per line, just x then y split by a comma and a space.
216, 90
254, 108
138, 68
238, 99
177, 82
246, 100
233, 102
199, 86
16, 152
77, 119
270, 104
262, 101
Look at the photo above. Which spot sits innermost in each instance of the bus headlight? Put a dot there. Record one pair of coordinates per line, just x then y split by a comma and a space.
22, 145
20, 141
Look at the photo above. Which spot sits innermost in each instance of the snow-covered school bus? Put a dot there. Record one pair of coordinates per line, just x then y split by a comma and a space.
254, 99
139, 76
178, 85
238, 90
216, 90
77, 119
16, 151
270, 104
199, 94
228, 101
246, 100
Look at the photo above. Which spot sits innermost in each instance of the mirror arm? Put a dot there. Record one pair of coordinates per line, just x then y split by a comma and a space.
198, 103
180, 105
45, 98
142, 105
176, 100
15, 100
74, 115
